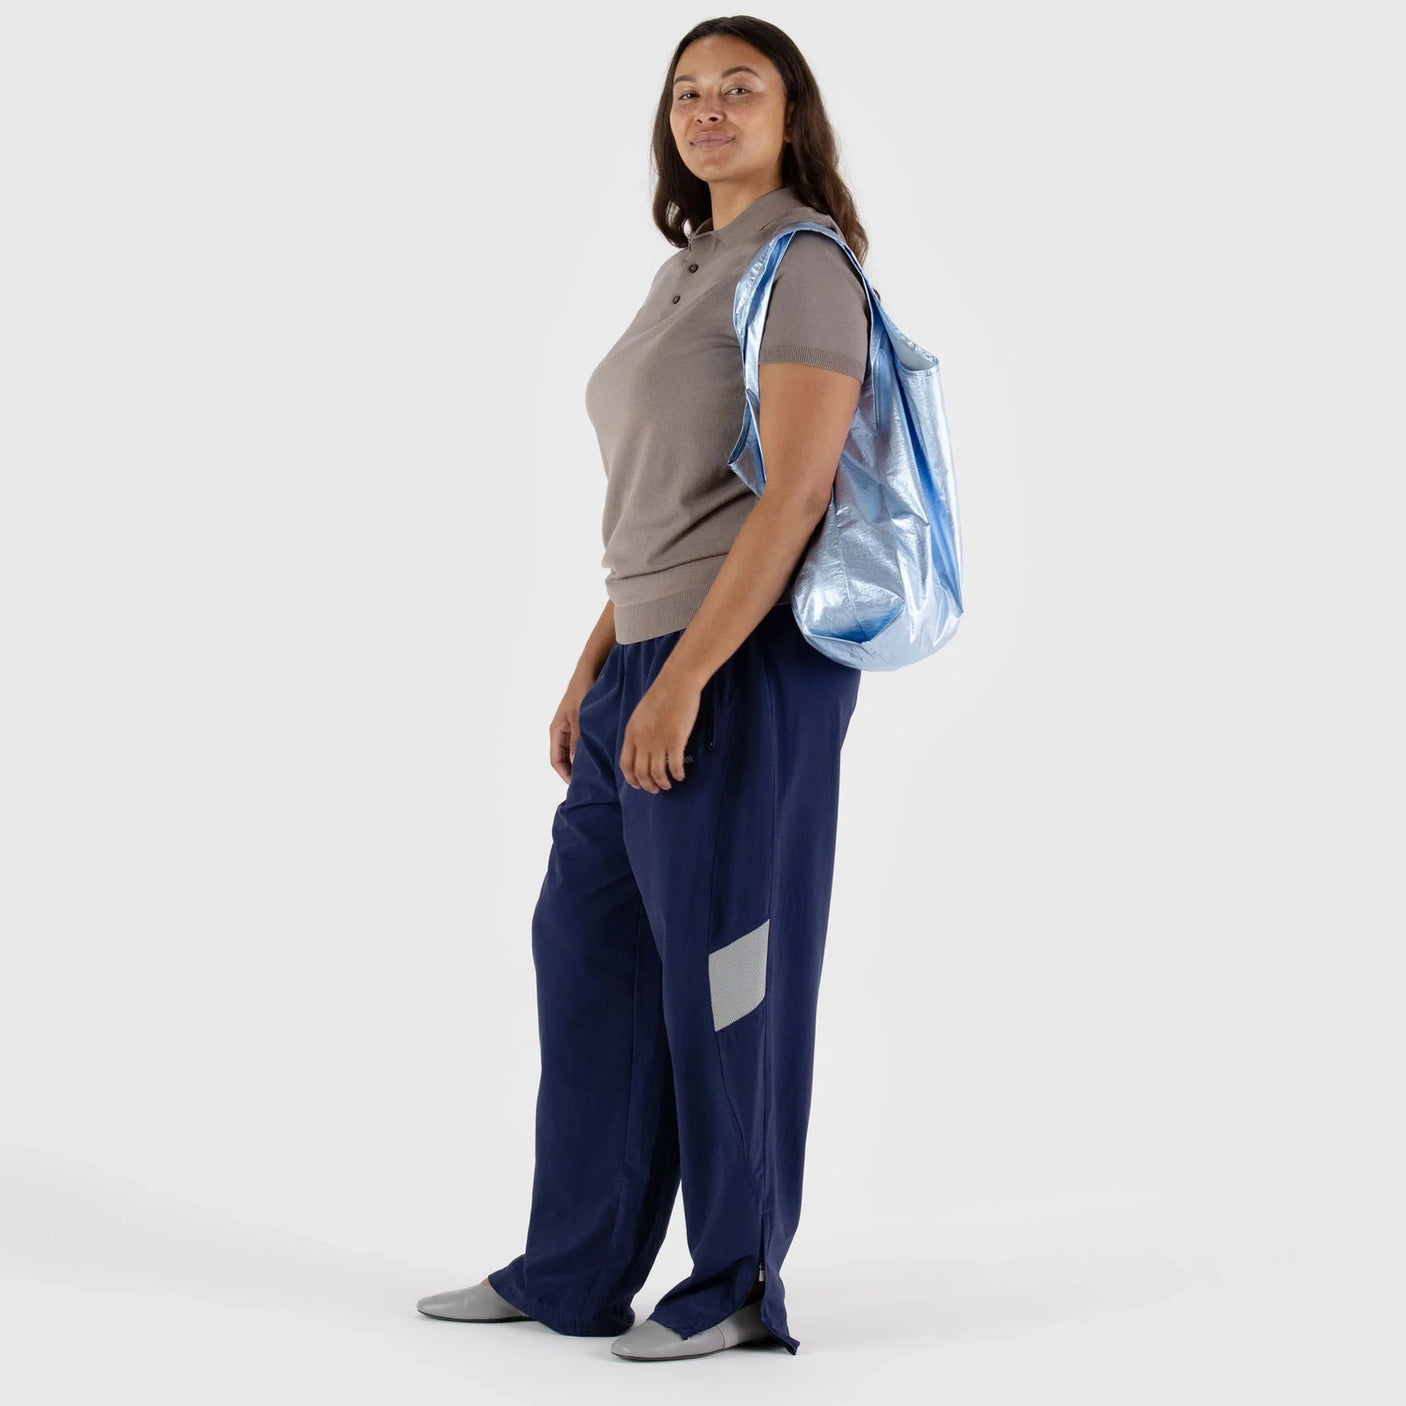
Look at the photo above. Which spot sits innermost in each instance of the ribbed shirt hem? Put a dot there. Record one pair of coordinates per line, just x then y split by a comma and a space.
816, 356
645, 619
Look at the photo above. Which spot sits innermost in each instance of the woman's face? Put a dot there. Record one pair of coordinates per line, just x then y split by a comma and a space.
729, 110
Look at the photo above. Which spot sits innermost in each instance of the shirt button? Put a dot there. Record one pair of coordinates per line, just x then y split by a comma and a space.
675, 298
693, 268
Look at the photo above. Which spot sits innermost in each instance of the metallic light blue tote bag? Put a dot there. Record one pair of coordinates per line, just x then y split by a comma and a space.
880, 583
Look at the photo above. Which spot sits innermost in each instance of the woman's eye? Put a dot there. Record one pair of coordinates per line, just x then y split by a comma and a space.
736, 88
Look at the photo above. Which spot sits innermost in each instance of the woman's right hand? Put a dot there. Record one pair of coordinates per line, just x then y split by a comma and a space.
565, 730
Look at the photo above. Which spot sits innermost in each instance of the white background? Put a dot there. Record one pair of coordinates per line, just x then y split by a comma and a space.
299, 543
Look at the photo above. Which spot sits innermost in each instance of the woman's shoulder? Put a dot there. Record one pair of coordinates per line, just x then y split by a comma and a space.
815, 258
818, 309
812, 254
797, 213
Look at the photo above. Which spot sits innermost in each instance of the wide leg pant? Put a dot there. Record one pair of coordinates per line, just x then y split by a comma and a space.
677, 943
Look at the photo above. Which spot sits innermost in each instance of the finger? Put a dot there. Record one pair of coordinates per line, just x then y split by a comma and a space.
556, 755
675, 759
644, 770
647, 764
659, 771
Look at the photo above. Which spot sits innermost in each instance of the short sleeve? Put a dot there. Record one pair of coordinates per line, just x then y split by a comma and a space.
819, 312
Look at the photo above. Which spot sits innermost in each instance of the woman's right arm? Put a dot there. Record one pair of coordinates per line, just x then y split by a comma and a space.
598, 646
565, 729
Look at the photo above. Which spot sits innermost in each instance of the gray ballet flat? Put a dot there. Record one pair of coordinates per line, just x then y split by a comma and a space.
649, 1341
479, 1303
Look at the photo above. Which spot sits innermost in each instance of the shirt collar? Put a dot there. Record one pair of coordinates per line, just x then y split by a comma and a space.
748, 222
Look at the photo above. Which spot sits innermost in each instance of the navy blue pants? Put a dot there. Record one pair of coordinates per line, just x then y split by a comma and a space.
677, 943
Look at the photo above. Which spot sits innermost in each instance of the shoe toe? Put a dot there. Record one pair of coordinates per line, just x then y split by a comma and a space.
479, 1303
652, 1341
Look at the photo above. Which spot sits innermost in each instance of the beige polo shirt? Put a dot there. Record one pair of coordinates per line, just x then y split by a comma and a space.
666, 403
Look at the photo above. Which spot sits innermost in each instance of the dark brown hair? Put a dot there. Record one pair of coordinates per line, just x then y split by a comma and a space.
808, 161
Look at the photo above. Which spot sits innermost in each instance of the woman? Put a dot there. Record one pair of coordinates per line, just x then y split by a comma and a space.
679, 932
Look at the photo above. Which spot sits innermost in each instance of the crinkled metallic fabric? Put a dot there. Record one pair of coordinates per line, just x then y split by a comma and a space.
880, 584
